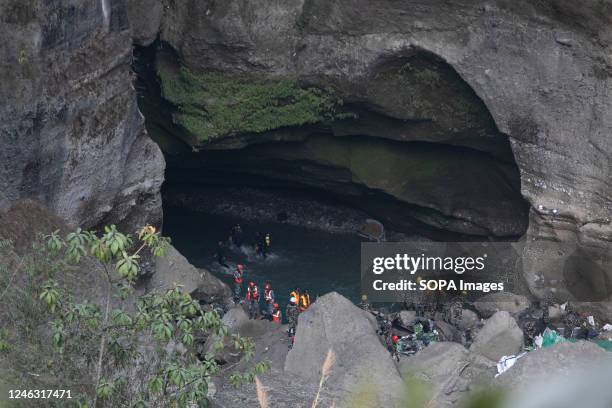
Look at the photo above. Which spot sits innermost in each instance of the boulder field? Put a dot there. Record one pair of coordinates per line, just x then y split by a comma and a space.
364, 374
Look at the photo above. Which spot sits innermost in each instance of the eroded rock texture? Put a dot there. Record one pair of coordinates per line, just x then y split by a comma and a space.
71, 133
537, 73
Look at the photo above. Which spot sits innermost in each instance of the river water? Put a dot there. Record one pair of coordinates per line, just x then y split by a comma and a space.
310, 259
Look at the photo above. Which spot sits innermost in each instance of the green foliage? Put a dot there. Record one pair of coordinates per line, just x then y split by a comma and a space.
105, 343
213, 105
238, 379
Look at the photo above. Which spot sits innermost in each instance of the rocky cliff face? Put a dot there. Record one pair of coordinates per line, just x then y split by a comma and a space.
542, 70
515, 81
72, 135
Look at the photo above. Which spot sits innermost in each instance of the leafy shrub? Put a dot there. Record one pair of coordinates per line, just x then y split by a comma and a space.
115, 347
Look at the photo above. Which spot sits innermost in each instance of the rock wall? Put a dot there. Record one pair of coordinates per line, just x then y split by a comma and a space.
542, 69
72, 135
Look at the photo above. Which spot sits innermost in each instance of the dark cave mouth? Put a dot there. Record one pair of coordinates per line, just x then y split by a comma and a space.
406, 173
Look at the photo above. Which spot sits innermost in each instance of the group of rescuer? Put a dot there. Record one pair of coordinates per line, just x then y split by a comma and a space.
299, 301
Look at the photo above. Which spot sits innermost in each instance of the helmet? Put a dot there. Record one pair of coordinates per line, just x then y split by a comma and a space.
240, 267
276, 306
395, 338
251, 283
293, 300
267, 286
364, 297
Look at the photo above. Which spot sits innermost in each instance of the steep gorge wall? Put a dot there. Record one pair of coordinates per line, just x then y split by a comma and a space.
71, 133
543, 69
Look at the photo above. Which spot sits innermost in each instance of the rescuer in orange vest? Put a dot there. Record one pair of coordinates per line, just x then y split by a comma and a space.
292, 314
304, 302
269, 299
276, 314
253, 300
238, 273
295, 293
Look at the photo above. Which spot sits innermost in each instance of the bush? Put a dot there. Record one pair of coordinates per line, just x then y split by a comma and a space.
119, 349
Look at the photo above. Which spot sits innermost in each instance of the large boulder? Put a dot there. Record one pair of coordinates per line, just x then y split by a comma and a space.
238, 322
500, 336
494, 302
449, 370
334, 323
174, 269
583, 387
557, 360
468, 320
406, 317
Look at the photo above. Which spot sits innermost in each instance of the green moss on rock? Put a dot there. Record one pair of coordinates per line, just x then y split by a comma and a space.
213, 105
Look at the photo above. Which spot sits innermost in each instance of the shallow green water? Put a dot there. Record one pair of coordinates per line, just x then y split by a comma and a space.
315, 260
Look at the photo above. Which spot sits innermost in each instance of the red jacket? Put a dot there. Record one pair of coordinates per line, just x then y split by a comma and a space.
237, 277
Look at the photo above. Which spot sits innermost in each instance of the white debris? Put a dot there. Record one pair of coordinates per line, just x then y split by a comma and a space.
506, 362
538, 341
607, 327
591, 320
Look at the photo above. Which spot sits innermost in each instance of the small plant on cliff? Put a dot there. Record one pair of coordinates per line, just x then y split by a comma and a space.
114, 346
213, 105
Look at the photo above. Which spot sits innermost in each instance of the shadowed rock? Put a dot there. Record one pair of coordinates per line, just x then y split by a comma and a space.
334, 323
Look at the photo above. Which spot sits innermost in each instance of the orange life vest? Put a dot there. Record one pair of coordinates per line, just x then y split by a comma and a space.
276, 316
304, 301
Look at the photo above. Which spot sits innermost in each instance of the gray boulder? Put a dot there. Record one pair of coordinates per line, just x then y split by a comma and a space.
362, 361
448, 332
235, 317
238, 322
468, 320
500, 336
558, 360
174, 268
506, 301
450, 370
588, 387
406, 317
